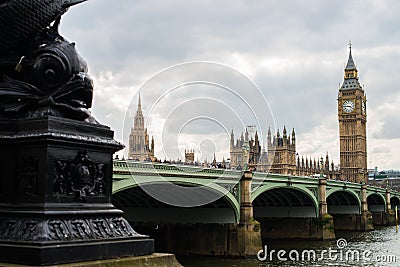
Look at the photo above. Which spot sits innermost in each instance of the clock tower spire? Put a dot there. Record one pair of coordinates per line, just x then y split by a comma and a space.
350, 71
352, 125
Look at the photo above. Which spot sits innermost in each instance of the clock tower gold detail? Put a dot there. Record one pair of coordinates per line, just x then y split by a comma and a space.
352, 126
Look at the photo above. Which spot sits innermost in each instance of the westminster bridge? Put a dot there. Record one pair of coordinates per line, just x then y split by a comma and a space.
236, 209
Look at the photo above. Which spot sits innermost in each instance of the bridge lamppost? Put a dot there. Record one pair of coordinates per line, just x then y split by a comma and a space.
362, 176
321, 168
323, 208
246, 148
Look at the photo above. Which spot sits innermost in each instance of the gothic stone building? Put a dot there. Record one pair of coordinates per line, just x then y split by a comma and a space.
280, 157
282, 150
139, 148
238, 154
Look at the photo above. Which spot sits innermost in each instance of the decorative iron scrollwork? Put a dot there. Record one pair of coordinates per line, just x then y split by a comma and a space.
28, 176
81, 177
1, 176
65, 229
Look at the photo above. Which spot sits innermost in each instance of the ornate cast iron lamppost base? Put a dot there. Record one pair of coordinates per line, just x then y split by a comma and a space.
55, 194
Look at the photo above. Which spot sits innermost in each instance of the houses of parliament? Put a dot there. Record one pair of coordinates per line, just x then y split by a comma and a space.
280, 155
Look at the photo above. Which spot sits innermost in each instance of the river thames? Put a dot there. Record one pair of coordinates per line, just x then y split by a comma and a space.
380, 247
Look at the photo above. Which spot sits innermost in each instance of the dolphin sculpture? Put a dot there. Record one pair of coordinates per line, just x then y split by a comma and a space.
22, 20
41, 73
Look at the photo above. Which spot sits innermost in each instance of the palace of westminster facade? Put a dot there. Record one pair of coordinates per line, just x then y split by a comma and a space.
280, 156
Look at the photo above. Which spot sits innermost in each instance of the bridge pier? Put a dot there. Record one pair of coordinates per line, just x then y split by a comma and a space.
298, 228
383, 218
325, 221
354, 222
245, 237
365, 222
210, 239
387, 196
387, 217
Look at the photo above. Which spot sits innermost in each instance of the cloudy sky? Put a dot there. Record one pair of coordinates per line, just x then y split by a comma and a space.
265, 63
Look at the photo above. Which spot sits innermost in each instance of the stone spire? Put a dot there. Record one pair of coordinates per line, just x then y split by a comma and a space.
293, 139
139, 119
350, 62
214, 163
139, 107
284, 132
350, 73
327, 162
269, 140
232, 139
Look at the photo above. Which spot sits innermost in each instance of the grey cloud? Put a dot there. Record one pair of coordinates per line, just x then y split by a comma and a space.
136, 39
390, 128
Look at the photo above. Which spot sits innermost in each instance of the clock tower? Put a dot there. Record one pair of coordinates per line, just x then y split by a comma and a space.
352, 115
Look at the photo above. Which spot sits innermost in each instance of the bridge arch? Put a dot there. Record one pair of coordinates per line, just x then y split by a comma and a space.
394, 201
284, 201
376, 202
340, 201
135, 202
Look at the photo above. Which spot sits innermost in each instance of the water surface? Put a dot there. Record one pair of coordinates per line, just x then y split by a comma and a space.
380, 247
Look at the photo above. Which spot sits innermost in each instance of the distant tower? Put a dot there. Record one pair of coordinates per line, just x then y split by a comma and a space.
189, 156
352, 126
139, 148
237, 150
282, 152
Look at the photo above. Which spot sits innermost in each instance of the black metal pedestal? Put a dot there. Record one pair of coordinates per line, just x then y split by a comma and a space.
55, 194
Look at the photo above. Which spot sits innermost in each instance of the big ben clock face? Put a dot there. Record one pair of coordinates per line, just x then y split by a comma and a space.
348, 106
